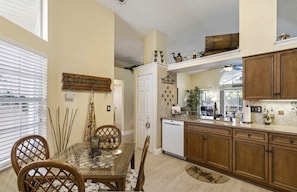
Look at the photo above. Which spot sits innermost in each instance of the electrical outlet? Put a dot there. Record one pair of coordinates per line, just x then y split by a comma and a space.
256, 109
259, 109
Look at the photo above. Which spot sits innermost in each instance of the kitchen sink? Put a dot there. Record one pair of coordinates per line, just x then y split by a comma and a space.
221, 121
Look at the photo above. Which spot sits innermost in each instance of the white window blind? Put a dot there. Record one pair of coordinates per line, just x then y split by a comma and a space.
23, 96
29, 14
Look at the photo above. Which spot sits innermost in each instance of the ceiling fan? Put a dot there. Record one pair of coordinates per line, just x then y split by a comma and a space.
121, 1
228, 68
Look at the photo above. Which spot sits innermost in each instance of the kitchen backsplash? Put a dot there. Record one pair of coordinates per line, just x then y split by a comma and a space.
285, 112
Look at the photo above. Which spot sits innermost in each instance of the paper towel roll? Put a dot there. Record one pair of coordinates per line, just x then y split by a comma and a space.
247, 114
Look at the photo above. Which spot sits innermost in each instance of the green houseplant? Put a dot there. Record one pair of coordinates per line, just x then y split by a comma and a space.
193, 99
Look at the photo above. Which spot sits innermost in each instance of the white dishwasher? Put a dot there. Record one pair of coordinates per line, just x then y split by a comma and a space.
173, 137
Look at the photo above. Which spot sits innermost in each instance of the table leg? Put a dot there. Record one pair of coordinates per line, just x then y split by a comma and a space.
133, 161
121, 185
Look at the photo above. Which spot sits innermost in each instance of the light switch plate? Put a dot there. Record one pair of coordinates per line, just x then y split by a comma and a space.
69, 96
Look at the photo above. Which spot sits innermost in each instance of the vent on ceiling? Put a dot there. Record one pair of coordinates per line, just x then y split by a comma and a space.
121, 1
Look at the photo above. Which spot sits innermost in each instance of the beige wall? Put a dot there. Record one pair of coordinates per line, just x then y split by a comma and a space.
258, 27
153, 41
183, 83
127, 77
208, 79
81, 41
13, 32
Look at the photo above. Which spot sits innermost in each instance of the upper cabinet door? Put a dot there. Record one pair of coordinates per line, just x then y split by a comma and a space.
258, 73
270, 76
288, 74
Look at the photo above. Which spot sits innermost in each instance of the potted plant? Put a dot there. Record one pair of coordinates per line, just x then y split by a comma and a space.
268, 118
193, 99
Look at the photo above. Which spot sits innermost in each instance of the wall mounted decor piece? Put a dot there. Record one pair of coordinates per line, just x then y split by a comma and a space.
85, 83
91, 126
167, 80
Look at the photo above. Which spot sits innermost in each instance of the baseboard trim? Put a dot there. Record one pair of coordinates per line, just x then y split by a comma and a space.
129, 132
157, 151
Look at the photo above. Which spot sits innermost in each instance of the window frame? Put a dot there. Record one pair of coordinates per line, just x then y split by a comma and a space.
239, 104
22, 17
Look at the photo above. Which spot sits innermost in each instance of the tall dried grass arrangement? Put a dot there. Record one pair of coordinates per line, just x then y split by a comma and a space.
61, 132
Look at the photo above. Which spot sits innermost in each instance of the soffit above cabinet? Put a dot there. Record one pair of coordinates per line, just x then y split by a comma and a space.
208, 62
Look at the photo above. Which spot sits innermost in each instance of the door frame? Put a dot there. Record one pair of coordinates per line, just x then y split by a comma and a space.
119, 83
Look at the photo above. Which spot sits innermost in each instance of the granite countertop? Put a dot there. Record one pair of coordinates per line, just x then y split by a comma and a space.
254, 126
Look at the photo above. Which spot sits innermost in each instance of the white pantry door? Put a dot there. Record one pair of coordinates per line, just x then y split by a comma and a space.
144, 109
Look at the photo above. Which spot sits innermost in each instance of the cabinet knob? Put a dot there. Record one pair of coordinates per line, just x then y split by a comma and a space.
292, 141
249, 135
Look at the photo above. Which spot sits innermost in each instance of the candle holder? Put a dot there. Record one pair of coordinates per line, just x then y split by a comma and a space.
155, 55
94, 146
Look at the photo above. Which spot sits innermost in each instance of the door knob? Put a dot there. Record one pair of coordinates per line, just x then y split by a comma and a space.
147, 125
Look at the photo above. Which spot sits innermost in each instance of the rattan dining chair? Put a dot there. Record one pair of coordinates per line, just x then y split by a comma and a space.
28, 149
47, 175
110, 137
135, 179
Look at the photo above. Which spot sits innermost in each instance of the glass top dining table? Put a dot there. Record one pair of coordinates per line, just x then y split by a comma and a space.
110, 166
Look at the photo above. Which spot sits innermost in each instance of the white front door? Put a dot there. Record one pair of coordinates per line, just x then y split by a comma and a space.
144, 109
118, 104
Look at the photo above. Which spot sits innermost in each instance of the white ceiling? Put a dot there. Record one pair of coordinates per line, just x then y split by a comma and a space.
185, 24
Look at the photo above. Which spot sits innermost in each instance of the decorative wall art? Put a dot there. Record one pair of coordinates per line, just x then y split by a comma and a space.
85, 83
168, 96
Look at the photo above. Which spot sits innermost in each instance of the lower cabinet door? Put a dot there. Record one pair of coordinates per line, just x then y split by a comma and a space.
283, 167
194, 146
250, 159
218, 152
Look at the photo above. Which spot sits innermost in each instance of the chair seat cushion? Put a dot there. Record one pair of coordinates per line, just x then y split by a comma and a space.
91, 187
131, 181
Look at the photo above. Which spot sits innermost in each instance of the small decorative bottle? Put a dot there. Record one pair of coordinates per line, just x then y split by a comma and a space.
271, 114
155, 55
194, 55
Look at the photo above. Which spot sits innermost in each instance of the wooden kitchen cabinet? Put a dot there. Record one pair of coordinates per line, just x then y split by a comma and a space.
210, 145
283, 159
270, 76
250, 154
219, 151
193, 147
263, 157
